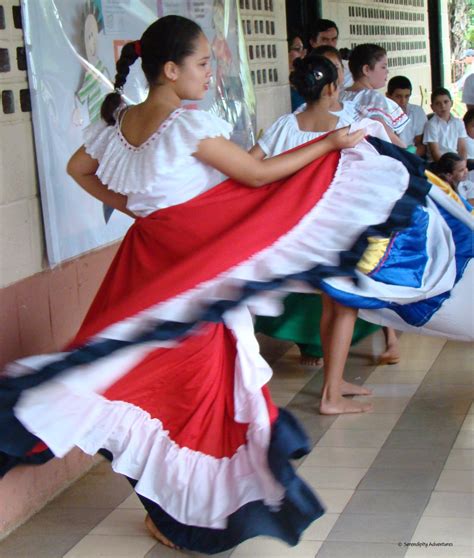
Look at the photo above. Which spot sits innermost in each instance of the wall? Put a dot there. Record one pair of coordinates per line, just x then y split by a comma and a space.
21, 235
264, 25
41, 308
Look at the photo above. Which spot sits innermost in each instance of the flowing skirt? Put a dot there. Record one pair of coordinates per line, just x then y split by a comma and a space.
165, 376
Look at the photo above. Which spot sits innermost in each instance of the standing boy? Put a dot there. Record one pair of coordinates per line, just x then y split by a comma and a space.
399, 89
444, 133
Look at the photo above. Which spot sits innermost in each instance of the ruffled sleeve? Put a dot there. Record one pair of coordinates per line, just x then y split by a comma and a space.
372, 104
96, 137
129, 169
272, 136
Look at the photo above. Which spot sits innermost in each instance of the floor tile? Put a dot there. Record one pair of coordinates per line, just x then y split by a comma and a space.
468, 424
331, 549
464, 440
439, 404
99, 485
462, 375
384, 405
411, 458
340, 457
452, 480
325, 477
380, 528
399, 479
450, 504
63, 521
354, 438
132, 502
455, 551
427, 438
396, 375
367, 421
445, 392
334, 500
424, 419
264, 547
320, 529
38, 545
460, 459
123, 521
387, 502
456, 530
392, 390
113, 546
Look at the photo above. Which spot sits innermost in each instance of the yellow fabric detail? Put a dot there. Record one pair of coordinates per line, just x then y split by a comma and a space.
373, 254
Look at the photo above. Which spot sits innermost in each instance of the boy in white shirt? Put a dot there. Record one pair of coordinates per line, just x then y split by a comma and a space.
444, 133
399, 89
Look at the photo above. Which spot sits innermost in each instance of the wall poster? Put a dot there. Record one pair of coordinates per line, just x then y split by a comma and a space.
71, 68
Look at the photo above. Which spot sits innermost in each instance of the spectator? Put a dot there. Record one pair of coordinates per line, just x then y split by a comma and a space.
325, 32
443, 132
296, 49
369, 67
468, 92
451, 168
399, 89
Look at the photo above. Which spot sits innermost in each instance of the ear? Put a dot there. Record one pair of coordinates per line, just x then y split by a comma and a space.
333, 89
171, 71
365, 69
312, 42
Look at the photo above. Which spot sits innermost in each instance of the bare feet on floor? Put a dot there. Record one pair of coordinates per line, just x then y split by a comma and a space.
353, 389
152, 528
342, 406
390, 356
308, 360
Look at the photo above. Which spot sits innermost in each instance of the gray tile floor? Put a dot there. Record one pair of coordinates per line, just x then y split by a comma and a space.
396, 482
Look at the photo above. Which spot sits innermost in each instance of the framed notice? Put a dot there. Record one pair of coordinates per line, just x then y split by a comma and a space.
72, 47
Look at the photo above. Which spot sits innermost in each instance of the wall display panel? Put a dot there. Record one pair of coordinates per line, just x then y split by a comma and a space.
72, 47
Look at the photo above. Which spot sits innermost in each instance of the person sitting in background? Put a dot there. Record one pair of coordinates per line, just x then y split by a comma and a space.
324, 32
468, 120
444, 132
369, 66
452, 169
399, 89
345, 111
296, 49
468, 92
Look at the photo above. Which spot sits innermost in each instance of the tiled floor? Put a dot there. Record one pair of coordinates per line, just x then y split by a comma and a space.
396, 482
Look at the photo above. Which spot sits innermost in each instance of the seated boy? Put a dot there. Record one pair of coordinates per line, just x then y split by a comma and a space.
399, 89
444, 133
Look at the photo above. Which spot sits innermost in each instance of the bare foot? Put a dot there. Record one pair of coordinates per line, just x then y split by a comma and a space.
390, 356
343, 406
353, 389
308, 360
152, 528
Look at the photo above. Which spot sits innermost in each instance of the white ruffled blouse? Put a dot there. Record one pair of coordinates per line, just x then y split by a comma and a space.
162, 171
285, 134
370, 103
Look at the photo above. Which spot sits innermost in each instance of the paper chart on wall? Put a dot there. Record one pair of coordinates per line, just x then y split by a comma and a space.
71, 68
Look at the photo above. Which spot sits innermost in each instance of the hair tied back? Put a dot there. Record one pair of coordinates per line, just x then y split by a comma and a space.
138, 48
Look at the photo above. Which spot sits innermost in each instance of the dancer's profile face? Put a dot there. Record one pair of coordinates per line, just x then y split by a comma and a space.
194, 74
378, 74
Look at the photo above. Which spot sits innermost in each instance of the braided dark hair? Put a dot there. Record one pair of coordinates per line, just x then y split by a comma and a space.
169, 39
311, 74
